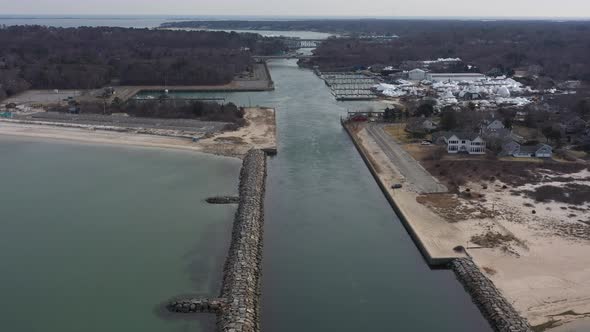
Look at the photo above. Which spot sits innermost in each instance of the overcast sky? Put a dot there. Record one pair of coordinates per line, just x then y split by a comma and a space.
374, 8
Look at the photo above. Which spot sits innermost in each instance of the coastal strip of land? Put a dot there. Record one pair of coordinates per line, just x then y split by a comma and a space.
436, 239
402, 179
531, 249
258, 132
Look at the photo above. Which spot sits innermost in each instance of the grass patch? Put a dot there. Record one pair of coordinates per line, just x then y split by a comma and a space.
398, 132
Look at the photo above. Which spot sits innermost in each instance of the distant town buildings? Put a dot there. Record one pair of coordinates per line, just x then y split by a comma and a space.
454, 77
417, 75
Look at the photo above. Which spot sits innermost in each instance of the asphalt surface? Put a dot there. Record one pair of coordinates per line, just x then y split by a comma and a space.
414, 173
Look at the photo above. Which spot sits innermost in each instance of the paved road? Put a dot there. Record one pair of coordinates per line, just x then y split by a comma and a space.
415, 174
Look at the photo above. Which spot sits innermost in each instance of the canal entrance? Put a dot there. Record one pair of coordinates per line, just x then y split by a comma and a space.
336, 257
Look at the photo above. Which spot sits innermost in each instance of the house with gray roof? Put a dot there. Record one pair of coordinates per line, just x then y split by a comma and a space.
515, 149
420, 125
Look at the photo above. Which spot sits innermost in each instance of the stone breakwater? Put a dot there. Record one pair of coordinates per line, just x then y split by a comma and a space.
495, 308
241, 281
238, 308
197, 305
223, 200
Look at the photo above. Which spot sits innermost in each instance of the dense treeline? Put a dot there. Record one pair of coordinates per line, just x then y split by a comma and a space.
162, 109
558, 50
551, 49
60, 58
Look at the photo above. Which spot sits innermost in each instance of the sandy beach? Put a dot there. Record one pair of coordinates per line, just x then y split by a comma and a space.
259, 132
544, 270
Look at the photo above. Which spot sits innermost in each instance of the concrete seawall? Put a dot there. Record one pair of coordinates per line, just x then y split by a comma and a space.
494, 307
238, 307
431, 259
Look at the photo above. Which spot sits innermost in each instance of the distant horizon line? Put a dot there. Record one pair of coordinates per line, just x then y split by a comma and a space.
213, 17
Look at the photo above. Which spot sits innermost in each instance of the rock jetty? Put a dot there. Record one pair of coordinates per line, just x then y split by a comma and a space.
495, 308
223, 200
238, 308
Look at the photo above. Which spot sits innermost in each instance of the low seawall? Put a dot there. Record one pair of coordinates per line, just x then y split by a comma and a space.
495, 308
430, 259
238, 307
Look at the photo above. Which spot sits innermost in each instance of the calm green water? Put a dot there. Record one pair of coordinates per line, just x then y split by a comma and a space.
336, 257
93, 238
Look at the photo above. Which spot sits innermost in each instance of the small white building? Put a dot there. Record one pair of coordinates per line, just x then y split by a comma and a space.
454, 77
470, 143
416, 75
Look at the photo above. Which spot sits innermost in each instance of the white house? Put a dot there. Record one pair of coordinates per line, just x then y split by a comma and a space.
416, 74
457, 77
470, 143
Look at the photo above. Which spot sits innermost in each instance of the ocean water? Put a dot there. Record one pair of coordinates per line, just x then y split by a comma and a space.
96, 238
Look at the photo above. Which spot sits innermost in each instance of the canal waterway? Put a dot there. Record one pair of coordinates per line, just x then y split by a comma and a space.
336, 257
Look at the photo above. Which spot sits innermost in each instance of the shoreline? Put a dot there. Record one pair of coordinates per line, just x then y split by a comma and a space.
435, 239
436, 243
541, 274
259, 132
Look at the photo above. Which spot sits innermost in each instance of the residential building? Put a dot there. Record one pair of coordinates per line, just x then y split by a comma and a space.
420, 125
515, 149
470, 143
492, 125
574, 124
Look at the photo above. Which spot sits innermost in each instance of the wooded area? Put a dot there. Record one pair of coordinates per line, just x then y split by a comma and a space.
83, 58
557, 50
163, 109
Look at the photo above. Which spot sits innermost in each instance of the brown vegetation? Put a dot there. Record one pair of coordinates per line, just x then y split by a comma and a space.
450, 208
454, 173
571, 193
